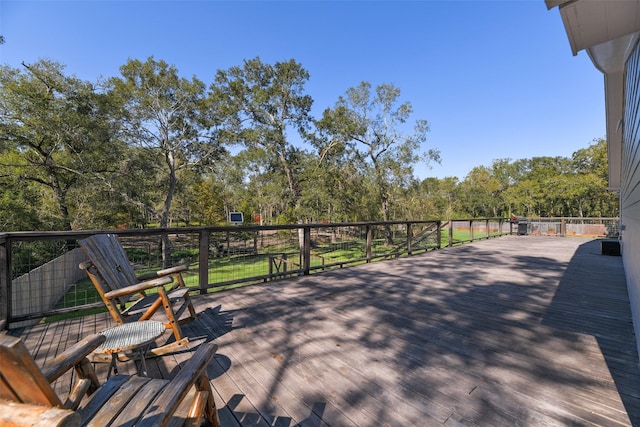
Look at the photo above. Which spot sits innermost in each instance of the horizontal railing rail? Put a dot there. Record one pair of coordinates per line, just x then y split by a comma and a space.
574, 226
40, 277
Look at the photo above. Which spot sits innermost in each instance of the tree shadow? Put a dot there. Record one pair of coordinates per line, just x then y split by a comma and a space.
494, 333
229, 415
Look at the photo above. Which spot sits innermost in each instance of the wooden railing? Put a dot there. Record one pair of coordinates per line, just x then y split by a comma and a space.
38, 278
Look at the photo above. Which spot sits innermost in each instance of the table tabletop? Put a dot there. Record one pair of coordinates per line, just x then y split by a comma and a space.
129, 336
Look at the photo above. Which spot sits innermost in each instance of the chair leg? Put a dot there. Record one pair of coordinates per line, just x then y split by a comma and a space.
173, 324
187, 298
210, 411
192, 310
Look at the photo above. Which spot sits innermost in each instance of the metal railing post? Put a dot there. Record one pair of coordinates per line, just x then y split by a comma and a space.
369, 242
203, 261
438, 234
306, 260
471, 230
409, 235
271, 262
451, 233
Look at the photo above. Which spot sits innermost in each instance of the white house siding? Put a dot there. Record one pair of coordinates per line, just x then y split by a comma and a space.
630, 189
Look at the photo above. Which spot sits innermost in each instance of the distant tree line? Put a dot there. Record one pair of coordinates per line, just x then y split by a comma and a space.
151, 148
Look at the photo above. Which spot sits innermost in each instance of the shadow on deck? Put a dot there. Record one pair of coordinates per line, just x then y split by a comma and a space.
510, 331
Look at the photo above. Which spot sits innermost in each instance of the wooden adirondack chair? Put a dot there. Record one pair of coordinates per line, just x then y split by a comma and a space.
27, 398
116, 282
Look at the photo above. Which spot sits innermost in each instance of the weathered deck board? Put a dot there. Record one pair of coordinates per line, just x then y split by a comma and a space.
518, 330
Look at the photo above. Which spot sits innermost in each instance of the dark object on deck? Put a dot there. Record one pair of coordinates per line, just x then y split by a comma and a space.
523, 224
610, 247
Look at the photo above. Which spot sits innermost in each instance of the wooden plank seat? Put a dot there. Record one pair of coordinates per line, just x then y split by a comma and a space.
128, 297
27, 398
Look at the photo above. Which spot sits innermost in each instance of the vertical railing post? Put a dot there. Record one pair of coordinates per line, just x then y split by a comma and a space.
369, 231
471, 230
409, 240
5, 284
255, 243
203, 261
563, 227
487, 229
438, 234
271, 262
450, 233
306, 260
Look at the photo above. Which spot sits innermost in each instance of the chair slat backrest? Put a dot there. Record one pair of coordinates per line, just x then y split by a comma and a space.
20, 379
106, 253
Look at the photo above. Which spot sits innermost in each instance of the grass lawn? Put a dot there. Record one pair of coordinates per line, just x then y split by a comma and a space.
239, 267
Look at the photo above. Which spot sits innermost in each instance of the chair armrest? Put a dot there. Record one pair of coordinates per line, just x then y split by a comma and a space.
168, 401
71, 357
28, 415
140, 287
165, 272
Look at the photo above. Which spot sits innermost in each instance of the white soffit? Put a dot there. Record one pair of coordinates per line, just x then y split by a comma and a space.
553, 3
608, 30
593, 22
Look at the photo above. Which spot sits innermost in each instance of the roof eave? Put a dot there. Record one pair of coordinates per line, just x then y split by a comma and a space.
608, 31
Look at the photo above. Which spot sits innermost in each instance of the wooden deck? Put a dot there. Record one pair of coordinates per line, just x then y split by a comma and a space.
518, 330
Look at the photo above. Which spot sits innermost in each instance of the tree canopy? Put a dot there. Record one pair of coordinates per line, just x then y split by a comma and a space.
152, 148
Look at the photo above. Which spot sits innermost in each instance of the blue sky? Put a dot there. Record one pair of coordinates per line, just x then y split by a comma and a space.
495, 79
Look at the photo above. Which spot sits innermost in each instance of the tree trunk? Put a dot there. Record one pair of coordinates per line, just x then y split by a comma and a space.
164, 217
61, 199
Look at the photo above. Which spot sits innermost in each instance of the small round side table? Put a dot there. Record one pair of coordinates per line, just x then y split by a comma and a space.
130, 336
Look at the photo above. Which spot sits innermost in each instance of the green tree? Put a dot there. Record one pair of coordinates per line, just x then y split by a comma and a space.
369, 125
265, 102
440, 197
482, 193
54, 132
19, 204
592, 174
172, 125
266, 186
